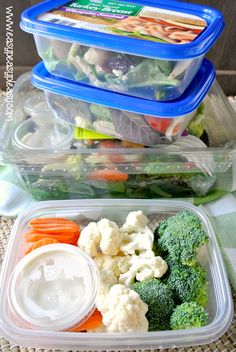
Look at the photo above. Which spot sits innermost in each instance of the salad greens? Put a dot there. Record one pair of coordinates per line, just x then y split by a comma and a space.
150, 73
110, 170
196, 125
116, 176
46, 187
138, 76
100, 112
137, 128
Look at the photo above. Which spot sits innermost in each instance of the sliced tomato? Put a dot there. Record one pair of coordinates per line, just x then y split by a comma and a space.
159, 124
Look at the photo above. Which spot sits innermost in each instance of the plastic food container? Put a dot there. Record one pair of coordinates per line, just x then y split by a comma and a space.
220, 306
190, 167
147, 49
120, 116
53, 288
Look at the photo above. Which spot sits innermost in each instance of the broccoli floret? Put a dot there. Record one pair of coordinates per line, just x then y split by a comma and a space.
187, 283
180, 236
159, 299
188, 315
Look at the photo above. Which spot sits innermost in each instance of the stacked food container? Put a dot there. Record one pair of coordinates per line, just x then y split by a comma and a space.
55, 160
132, 105
124, 105
120, 78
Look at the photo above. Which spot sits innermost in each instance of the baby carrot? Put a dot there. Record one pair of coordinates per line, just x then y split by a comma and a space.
92, 323
108, 175
54, 229
40, 243
53, 225
57, 230
36, 236
37, 221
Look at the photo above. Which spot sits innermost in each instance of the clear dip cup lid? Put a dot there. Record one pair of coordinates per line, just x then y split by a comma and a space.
36, 106
31, 134
54, 287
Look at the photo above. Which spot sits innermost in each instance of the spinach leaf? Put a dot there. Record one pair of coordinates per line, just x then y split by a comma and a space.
133, 127
150, 72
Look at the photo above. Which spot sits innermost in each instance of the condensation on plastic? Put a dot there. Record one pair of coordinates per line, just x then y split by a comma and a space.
220, 307
56, 173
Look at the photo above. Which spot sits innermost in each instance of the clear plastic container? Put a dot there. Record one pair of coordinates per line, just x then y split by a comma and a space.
37, 108
53, 288
146, 49
37, 134
190, 167
220, 307
120, 116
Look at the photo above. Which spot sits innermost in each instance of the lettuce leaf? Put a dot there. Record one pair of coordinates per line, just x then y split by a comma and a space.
101, 112
50, 59
150, 73
133, 127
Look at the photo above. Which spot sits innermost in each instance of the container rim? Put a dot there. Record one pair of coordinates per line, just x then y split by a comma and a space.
198, 47
187, 103
160, 339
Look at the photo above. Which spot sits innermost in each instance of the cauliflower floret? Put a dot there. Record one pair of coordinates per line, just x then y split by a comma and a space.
111, 237
110, 268
124, 311
108, 263
137, 242
143, 267
104, 236
89, 239
118, 265
123, 263
107, 280
136, 221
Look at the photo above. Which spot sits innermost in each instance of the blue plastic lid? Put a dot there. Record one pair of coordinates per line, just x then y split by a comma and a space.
63, 31
187, 103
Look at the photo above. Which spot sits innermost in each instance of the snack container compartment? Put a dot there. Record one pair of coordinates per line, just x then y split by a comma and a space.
120, 116
149, 50
220, 306
95, 166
